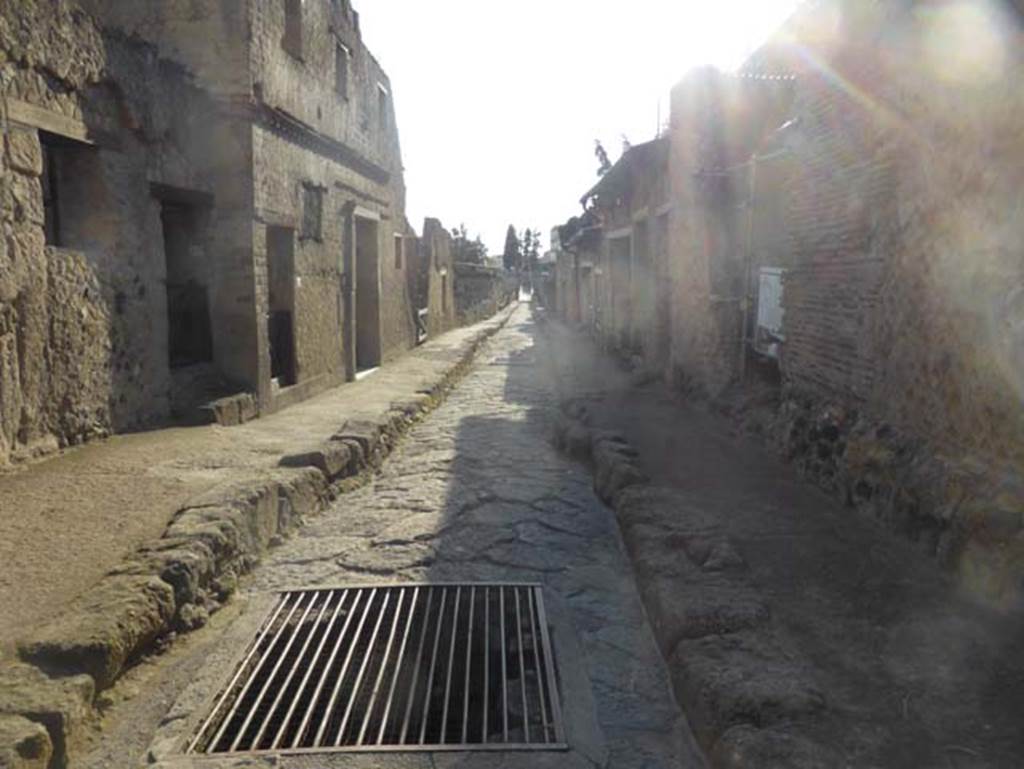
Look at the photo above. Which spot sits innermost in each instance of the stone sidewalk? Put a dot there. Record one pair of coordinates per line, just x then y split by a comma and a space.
798, 632
476, 493
88, 509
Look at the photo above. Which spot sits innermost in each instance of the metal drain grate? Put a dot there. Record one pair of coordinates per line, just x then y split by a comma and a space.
411, 667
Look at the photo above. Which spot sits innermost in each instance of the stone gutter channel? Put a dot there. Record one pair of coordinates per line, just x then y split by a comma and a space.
172, 584
749, 699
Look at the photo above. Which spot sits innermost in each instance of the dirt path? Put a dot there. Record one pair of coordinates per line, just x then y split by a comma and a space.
66, 521
913, 674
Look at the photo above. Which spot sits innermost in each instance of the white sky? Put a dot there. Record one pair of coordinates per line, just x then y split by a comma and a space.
499, 103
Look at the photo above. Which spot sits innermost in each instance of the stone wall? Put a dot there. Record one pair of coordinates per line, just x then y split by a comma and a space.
436, 255
85, 314
904, 318
480, 291
718, 121
339, 137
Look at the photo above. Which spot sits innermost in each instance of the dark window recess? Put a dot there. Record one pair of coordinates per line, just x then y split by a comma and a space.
51, 208
312, 212
281, 304
411, 667
292, 40
189, 336
341, 70
398, 252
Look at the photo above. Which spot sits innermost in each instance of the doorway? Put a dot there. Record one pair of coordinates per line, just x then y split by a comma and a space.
367, 294
281, 304
189, 338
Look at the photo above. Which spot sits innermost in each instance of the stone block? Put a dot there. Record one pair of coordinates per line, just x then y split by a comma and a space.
62, 706
224, 411
614, 470
24, 744
103, 629
248, 409
302, 491
665, 507
366, 432
186, 565
221, 529
24, 152
747, 747
332, 458
413, 405
256, 499
24, 199
681, 610
740, 678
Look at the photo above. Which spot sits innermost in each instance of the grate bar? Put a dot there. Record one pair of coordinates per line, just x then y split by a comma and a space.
253, 676
362, 671
344, 667
238, 674
536, 665
307, 717
309, 672
487, 660
255, 708
469, 667
416, 670
398, 666
504, 667
451, 666
291, 674
383, 667
392, 668
433, 665
552, 690
522, 668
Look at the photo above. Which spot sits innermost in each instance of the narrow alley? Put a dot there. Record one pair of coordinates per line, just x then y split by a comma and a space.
455, 385
476, 493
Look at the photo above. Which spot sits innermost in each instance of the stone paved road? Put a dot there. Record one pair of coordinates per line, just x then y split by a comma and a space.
477, 492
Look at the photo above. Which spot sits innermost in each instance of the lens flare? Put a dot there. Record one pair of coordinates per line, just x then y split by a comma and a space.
968, 42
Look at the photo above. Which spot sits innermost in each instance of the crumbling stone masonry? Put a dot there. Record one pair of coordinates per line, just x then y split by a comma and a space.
198, 199
480, 291
881, 175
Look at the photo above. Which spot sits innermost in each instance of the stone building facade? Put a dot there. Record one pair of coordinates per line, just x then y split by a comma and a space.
611, 271
880, 174
199, 198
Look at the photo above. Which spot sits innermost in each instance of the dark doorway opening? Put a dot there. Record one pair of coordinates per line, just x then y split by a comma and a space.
367, 294
281, 304
189, 337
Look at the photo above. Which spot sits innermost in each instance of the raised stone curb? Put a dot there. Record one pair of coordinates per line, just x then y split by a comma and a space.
172, 584
62, 706
731, 672
24, 744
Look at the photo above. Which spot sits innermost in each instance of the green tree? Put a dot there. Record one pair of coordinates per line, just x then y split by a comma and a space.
465, 250
530, 248
512, 255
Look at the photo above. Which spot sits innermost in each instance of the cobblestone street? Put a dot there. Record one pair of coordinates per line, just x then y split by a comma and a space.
477, 492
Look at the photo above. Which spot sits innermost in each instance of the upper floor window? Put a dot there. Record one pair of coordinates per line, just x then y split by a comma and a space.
292, 40
341, 60
382, 107
398, 252
312, 212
